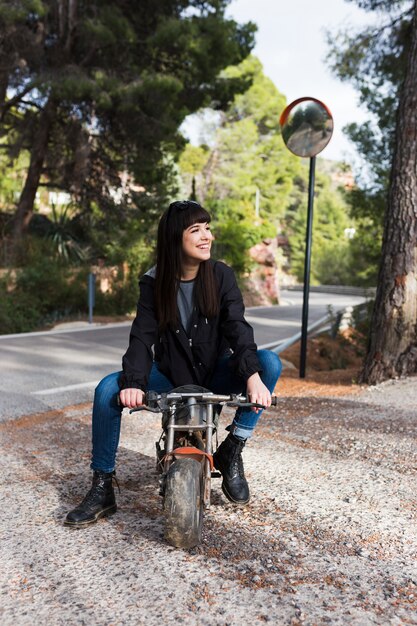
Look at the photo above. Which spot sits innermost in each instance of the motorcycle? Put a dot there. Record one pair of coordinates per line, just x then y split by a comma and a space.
184, 455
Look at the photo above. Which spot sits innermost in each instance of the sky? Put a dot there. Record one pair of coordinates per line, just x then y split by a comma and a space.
291, 44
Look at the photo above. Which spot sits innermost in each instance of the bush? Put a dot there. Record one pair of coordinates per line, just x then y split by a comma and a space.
47, 289
41, 294
137, 258
16, 315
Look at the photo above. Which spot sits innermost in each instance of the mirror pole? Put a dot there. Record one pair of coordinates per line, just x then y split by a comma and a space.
307, 264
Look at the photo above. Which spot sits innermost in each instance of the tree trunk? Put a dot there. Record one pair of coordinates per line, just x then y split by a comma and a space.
24, 209
4, 82
392, 348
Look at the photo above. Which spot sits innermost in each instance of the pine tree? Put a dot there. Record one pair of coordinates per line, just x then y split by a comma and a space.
393, 339
94, 89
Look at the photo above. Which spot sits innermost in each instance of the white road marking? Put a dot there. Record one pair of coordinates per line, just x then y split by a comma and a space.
267, 321
65, 331
46, 392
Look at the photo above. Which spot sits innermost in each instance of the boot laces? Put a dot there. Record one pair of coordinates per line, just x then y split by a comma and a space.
237, 463
91, 495
98, 486
117, 482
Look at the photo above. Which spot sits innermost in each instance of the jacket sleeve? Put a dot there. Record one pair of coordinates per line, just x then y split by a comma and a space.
137, 362
236, 330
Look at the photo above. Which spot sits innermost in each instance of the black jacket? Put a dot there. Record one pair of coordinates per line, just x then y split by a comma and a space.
186, 360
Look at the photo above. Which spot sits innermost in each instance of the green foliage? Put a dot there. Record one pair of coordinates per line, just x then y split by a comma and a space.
12, 174
330, 257
374, 61
233, 239
249, 153
117, 79
134, 255
365, 252
46, 289
16, 314
60, 230
247, 157
193, 160
114, 80
40, 293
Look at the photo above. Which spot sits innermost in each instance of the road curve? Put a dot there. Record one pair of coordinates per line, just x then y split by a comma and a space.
50, 370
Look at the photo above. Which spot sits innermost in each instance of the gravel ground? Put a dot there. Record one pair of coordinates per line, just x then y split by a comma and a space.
329, 537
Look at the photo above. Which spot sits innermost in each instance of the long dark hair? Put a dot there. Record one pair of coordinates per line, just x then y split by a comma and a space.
177, 218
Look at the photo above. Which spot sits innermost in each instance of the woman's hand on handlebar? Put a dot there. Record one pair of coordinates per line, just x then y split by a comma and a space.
131, 398
257, 392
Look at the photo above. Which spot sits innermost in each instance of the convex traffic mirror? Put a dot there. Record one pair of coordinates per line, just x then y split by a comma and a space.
306, 126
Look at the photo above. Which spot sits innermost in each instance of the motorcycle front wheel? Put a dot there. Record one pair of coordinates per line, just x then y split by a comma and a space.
183, 504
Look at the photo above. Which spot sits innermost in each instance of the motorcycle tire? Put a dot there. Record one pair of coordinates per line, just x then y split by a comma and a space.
183, 504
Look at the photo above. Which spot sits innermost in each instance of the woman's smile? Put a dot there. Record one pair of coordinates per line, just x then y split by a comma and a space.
196, 243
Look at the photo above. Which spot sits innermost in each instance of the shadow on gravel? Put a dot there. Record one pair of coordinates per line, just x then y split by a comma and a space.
356, 413
320, 533
341, 428
54, 449
136, 476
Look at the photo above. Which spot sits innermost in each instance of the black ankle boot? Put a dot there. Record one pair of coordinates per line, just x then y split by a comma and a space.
228, 460
99, 501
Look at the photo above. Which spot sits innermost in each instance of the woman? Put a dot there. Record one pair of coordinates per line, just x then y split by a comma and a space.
189, 329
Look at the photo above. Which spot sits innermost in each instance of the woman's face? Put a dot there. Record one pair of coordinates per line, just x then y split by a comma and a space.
196, 243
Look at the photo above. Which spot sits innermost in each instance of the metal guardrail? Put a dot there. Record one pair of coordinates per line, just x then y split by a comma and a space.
367, 292
280, 346
332, 322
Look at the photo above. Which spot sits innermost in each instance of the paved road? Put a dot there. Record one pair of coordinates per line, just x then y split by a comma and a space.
40, 371
280, 322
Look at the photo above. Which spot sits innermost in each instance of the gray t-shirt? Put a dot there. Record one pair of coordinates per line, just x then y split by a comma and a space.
185, 299
185, 302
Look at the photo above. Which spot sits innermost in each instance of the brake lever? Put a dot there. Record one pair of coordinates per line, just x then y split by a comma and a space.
144, 408
249, 405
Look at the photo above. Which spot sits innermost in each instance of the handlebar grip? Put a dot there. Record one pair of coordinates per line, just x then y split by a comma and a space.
144, 407
274, 400
249, 405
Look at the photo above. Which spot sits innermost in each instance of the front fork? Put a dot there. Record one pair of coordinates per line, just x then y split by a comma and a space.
209, 450
205, 458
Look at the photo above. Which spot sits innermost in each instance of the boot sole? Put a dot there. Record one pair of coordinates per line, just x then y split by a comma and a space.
229, 497
111, 510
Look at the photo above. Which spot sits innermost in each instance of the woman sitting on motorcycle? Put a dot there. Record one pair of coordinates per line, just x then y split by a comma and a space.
189, 329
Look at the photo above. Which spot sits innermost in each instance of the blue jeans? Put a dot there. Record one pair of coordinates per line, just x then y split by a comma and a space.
107, 413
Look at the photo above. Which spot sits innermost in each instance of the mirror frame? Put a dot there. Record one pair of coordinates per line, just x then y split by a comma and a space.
286, 113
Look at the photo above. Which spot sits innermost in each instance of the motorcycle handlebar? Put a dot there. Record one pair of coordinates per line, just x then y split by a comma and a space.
233, 400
